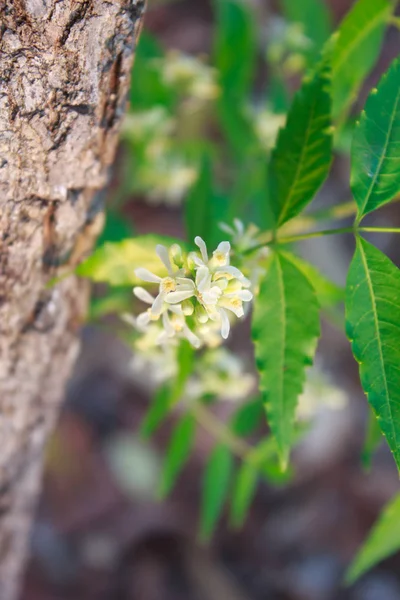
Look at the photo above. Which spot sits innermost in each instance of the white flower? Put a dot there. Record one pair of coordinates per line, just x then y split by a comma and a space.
198, 287
166, 284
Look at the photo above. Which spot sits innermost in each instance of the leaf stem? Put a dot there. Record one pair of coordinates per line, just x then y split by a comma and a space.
316, 234
220, 431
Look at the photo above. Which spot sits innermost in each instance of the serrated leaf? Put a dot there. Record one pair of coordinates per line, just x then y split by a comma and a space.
302, 157
115, 262
177, 454
383, 540
373, 328
285, 331
328, 293
157, 412
216, 483
244, 489
372, 440
315, 18
355, 48
375, 154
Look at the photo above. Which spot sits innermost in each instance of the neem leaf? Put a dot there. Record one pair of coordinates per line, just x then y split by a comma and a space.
328, 293
302, 157
355, 48
244, 489
178, 453
285, 332
383, 540
373, 328
217, 479
375, 155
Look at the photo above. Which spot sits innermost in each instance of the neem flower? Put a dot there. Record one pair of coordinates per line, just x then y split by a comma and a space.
197, 287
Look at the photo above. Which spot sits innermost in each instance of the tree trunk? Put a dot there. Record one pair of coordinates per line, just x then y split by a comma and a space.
64, 78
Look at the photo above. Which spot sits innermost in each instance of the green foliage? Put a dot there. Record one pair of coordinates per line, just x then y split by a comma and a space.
247, 417
177, 454
285, 337
372, 439
223, 138
373, 328
244, 489
356, 46
383, 541
159, 409
328, 293
148, 87
301, 159
235, 28
115, 262
204, 207
375, 176
216, 484
315, 19
185, 361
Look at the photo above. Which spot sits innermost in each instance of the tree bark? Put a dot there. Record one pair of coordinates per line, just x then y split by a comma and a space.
64, 79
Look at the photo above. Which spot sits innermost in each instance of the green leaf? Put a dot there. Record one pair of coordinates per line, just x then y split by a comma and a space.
373, 327
247, 417
301, 159
328, 293
115, 262
159, 409
205, 206
235, 28
355, 48
148, 88
217, 479
383, 540
375, 155
234, 47
185, 360
372, 440
177, 454
315, 19
285, 335
244, 489
198, 212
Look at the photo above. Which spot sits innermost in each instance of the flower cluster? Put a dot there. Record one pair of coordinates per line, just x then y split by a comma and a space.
197, 297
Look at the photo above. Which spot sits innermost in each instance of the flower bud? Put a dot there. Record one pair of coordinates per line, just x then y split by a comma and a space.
187, 308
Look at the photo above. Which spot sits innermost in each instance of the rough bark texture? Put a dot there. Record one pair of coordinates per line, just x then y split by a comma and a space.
64, 77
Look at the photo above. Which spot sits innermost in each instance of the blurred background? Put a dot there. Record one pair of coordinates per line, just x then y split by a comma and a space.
211, 85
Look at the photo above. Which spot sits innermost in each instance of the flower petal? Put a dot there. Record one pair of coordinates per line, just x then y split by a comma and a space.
147, 275
225, 324
203, 279
157, 306
239, 226
143, 319
185, 281
143, 295
245, 295
170, 331
163, 255
179, 296
191, 337
224, 247
203, 248
226, 228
